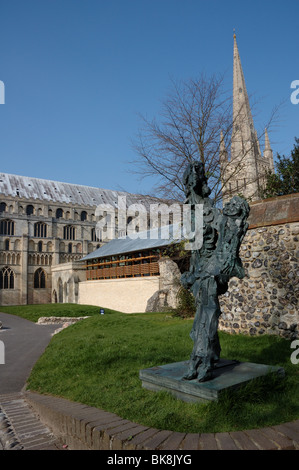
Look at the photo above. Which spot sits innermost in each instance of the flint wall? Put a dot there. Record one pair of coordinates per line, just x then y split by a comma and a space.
266, 300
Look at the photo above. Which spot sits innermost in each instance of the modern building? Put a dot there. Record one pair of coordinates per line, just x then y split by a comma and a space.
132, 273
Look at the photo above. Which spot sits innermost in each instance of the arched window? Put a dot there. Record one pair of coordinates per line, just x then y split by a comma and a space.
59, 213
6, 245
40, 247
7, 279
39, 279
94, 237
7, 227
40, 229
83, 216
70, 248
29, 209
2, 207
69, 232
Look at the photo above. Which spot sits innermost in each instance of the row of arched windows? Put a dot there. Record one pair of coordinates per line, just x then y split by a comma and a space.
10, 258
29, 208
40, 259
59, 213
7, 227
7, 278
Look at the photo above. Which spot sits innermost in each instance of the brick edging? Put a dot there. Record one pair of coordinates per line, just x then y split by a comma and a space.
82, 427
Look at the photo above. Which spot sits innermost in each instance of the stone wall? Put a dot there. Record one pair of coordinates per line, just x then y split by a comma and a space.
266, 300
169, 284
128, 295
65, 281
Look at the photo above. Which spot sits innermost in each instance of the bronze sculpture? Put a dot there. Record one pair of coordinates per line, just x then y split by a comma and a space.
211, 267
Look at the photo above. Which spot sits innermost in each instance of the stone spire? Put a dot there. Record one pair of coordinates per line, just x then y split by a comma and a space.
244, 173
244, 136
241, 108
245, 148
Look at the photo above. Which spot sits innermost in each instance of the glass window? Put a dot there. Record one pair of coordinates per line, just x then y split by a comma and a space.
29, 209
39, 279
59, 213
69, 232
40, 229
7, 279
2, 207
7, 227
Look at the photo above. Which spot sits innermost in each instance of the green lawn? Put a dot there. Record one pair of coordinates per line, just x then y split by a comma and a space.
34, 312
97, 362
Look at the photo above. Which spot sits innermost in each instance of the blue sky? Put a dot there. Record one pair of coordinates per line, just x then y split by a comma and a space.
78, 73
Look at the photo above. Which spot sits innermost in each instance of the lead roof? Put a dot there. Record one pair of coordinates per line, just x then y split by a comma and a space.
68, 193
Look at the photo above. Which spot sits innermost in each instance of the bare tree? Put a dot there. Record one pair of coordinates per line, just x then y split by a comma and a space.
193, 118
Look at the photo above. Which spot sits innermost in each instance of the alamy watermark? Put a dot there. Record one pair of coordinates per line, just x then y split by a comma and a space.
2, 92
134, 222
295, 354
295, 94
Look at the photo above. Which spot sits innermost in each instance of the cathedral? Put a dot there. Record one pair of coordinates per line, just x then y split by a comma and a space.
244, 173
46, 227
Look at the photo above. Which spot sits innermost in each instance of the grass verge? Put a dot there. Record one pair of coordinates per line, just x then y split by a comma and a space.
97, 362
34, 312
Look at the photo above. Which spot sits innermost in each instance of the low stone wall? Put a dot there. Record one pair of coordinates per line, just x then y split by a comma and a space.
266, 300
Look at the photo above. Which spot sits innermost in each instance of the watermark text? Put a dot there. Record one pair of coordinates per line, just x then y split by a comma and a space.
137, 221
295, 354
295, 93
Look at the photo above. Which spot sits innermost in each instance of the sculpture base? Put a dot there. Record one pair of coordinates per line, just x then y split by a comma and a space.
226, 375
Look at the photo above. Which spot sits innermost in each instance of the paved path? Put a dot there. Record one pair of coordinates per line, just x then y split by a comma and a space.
24, 342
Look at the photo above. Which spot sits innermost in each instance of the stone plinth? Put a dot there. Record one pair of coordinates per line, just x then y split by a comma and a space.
227, 375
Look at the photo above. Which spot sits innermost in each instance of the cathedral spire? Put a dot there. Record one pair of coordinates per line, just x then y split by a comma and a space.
245, 171
242, 117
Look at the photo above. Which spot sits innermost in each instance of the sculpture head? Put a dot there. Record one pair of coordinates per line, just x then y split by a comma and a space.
194, 178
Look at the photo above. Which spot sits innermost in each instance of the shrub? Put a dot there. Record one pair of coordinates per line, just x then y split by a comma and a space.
185, 307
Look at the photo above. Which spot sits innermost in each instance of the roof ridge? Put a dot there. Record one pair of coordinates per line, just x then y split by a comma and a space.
65, 182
